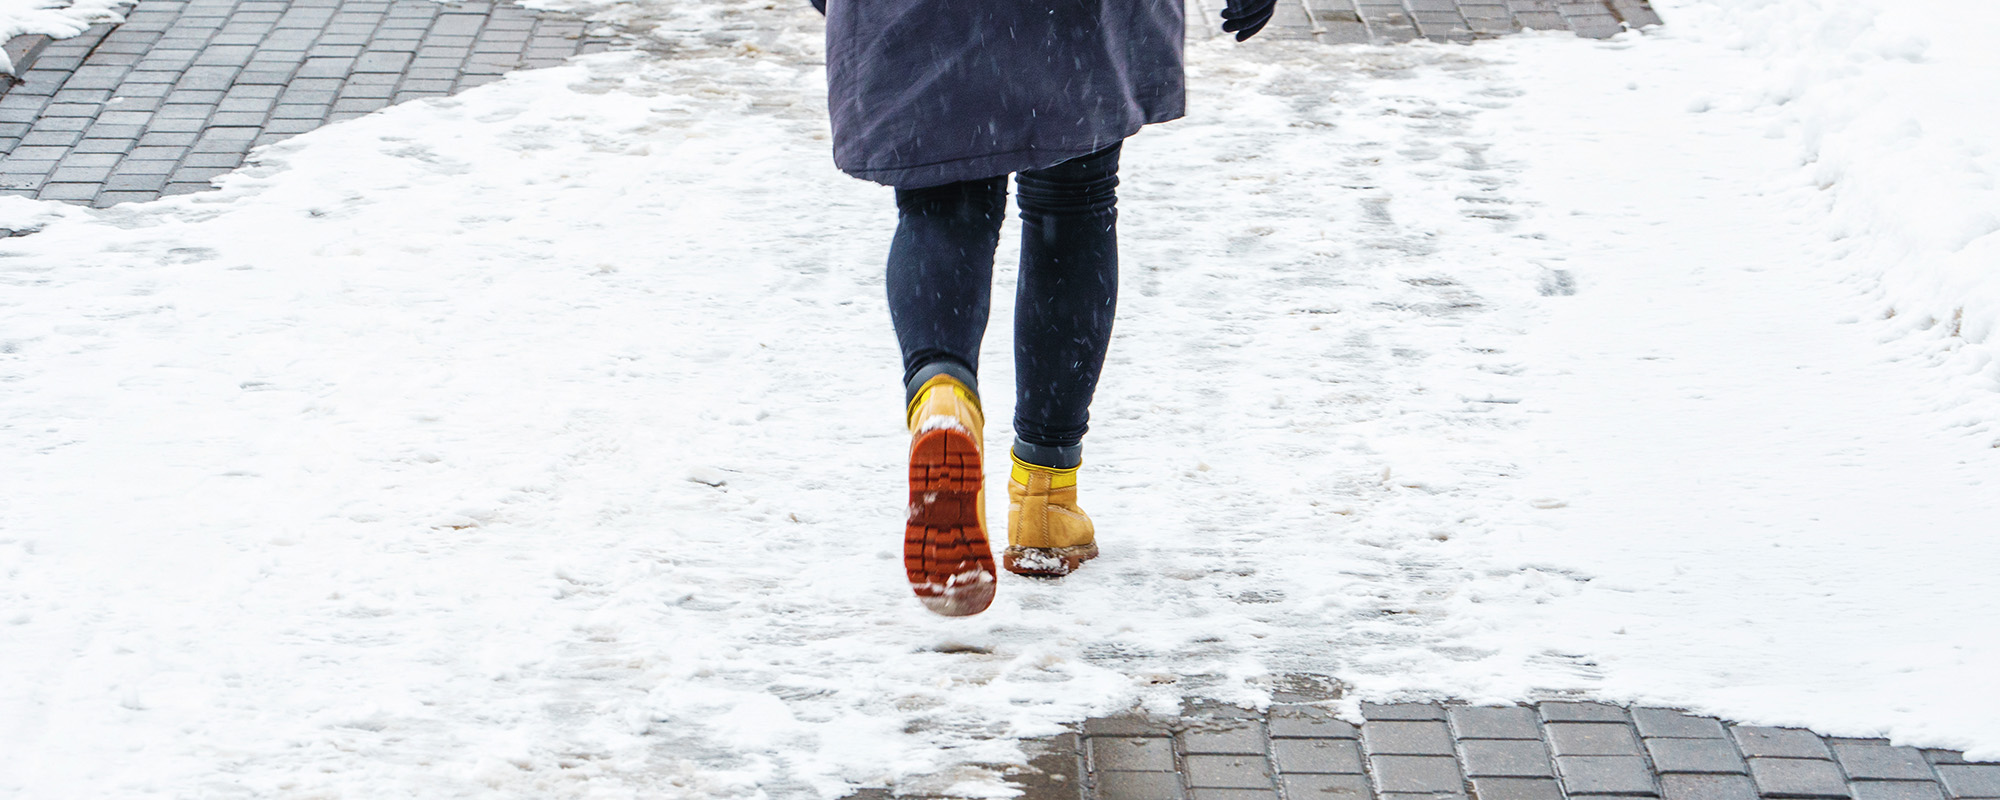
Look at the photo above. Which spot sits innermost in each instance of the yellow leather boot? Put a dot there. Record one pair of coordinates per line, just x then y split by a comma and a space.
1047, 534
945, 550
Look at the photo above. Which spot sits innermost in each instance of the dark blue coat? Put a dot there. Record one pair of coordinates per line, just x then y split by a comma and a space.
927, 92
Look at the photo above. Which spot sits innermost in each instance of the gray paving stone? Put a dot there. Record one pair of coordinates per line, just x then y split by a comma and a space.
218, 135
136, 182
223, 160
115, 131
1309, 722
1936, 756
1507, 758
227, 55
1667, 723
1592, 739
1424, 796
382, 62
130, 166
1407, 737
1581, 712
68, 191
65, 174
240, 92
1696, 755
1237, 739
1707, 787
433, 86
1402, 711
1876, 762
49, 154
291, 126
207, 97
1487, 722
91, 160
1228, 772
46, 138
149, 91
1331, 787
160, 139
235, 103
68, 95
96, 146
1201, 793
1138, 786
247, 118
71, 110
1970, 780
1130, 753
201, 175
1779, 742
1516, 789
300, 111
1797, 777
367, 91
1329, 756
359, 105
20, 166
1626, 775
173, 125
152, 76
1420, 774
264, 77
184, 111
312, 90
325, 68
1896, 790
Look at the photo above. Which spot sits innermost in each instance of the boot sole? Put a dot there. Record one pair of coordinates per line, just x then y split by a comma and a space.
1050, 562
945, 551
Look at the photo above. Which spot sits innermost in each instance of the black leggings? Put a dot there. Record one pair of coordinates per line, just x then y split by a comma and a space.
941, 276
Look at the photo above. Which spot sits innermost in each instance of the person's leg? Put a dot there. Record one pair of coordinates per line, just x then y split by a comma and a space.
940, 275
1065, 302
1063, 312
939, 281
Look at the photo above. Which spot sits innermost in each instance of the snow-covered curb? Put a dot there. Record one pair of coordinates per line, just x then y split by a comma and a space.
47, 18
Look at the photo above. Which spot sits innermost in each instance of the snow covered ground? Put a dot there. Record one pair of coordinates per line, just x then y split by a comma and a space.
544, 441
59, 19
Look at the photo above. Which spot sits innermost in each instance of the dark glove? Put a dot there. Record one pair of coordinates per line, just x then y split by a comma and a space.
1246, 17
820, 6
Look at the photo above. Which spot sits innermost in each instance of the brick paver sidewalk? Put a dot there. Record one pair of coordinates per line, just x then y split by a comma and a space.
1433, 751
183, 89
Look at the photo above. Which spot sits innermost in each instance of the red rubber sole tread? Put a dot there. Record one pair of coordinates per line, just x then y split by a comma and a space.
945, 551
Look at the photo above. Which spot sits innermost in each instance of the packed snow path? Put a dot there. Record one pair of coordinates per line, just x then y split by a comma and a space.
543, 441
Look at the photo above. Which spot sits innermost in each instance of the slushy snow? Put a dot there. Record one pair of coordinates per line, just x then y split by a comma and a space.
546, 440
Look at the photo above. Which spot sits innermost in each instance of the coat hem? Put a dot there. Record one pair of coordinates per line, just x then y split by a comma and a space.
987, 165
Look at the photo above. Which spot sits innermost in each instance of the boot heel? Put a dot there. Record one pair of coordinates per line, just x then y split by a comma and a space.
945, 551
1048, 562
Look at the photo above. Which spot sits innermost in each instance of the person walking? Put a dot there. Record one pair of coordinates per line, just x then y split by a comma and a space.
943, 99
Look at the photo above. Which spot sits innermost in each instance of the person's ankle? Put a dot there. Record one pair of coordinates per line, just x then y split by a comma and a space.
1050, 456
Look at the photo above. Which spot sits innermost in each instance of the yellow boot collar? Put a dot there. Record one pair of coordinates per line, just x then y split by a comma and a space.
1058, 478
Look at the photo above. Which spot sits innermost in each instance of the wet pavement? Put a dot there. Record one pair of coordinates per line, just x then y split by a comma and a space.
1298, 749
